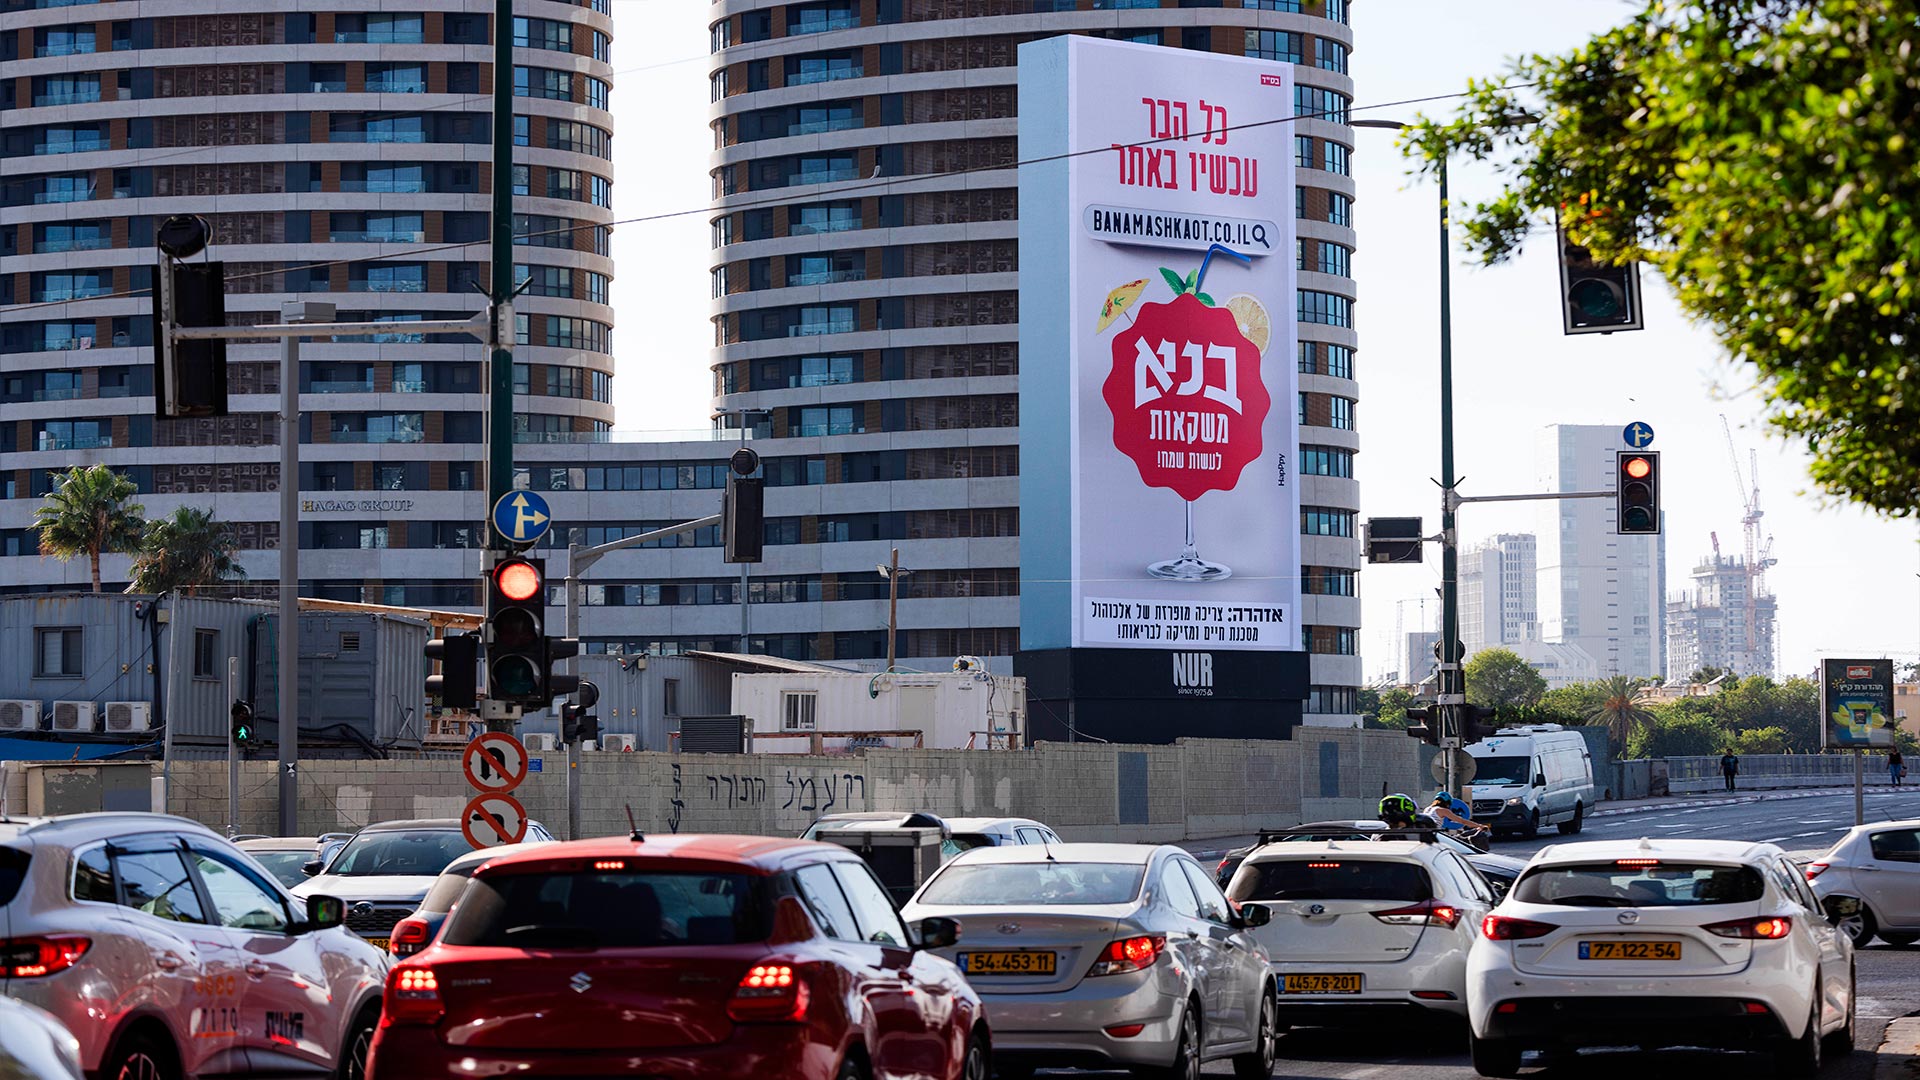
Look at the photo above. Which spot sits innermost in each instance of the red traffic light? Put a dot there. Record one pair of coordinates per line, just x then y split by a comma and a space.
517, 581
1637, 467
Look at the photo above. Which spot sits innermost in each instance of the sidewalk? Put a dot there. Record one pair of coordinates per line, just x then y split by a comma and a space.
1720, 798
1899, 1056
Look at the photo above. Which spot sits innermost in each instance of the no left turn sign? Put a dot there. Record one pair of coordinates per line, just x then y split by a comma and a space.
495, 762
493, 821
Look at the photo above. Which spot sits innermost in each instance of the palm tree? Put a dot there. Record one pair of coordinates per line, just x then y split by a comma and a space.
186, 549
87, 513
1622, 707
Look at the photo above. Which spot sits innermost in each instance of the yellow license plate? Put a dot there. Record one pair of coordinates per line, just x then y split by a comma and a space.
379, 943
1319, 984
1008, 963
1629, 950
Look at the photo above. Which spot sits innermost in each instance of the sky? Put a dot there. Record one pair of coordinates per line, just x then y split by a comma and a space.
1848, 581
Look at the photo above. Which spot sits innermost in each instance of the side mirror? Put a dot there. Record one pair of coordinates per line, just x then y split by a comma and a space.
939, 932
1499, 888
1539, 779
1842, 907
1252, 915
325, 912
311, 867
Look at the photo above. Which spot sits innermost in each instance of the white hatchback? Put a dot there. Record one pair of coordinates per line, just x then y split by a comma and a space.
1362, 930
1700, 943
1879, 867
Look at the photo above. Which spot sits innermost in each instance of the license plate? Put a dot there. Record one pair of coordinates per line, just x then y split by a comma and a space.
1007, 963
378, 943
1319, 984
1629, 950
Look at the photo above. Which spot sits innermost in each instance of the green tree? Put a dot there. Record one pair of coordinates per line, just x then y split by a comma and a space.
1498, 677
1679, 735
1766, 740
1760, 155
87, 513
1385, 708
188, 550
1622, 705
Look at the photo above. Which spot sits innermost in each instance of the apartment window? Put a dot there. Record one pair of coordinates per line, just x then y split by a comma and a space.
1339, 361
1284, 45
1331, 258
823, 67
542, 34
1338, 158
797, 710
1322, 521
566, 382
824, 371
379, 29
830, 420
820, 18
597, 288
602, 47
579, 138
670, 696
71, 236
542, 83
565, 332
1322, 307
1339, 209
597, 93
523, 131
1318, 102
1328, 581
56, 652
1330, 54
1326, 461
396, 79
62, 40
1336, 10
1340, 413
1330, 640
825, 218
206, 648
71, 285
66, 89
1303, 151
1273, 5
73, 139
1332, 699
825, 319
546, 280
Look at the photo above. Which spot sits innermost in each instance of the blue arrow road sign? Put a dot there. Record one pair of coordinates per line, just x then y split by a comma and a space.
522, 517
1637, 435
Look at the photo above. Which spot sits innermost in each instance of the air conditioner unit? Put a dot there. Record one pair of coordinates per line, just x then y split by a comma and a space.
75, 716
540, 743
628, 743
129, 716
19, 715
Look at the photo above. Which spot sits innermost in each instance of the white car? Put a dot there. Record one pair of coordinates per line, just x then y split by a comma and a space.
1363, 930
169, 953
1659, 943
34, 1045
1879, 866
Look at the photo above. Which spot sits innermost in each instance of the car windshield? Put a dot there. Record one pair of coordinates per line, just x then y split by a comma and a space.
285, 866
1510, 769
1331, 878
410, 853
1638, 883
610, 910
13, 871
1043, 883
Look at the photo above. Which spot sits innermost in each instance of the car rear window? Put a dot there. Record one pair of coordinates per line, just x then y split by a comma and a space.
1900, 845
1045, 883
13, 871
1331, 878
1639, 883
447, 888
611, 910
413, 853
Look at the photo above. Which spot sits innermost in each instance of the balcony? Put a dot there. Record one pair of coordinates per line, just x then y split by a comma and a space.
816, 127
67, 343
805, 228
802, 78
379, 436
72, 442
397, 86
341, 386
84, 243
386, 286
78, 97
822, 176
377, 236
835, 21
330, 86
384, 187
838, 326
73, 146
828, 277
409, 386
63, 195
58, 393
77, 292
378, 137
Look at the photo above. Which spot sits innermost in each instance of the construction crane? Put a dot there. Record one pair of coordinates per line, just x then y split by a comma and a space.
1758, 552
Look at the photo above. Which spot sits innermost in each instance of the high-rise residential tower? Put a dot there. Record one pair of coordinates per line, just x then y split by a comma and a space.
1499, 593
866, 278
1601, 591
1722, 623
340, 152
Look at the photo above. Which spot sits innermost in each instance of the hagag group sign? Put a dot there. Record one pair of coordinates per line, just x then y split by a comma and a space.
1159, 502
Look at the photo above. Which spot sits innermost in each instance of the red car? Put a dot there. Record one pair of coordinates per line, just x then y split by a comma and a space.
680, 957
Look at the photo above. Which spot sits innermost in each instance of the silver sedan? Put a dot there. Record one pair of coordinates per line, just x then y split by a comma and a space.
1104, 955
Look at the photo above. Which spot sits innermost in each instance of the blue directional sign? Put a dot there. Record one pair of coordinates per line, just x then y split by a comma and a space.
1637, 435
522, 517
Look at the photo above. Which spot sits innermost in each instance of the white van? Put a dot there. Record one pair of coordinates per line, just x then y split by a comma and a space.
1526, 777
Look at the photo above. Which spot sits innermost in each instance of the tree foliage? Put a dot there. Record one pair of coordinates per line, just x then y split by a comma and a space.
1760, 154
1622, 706
187, 550
88, 513
1682, 735
1498, 677
1386, 708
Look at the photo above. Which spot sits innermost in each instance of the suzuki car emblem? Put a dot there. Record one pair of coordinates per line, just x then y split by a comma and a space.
581, 982
1009, 927
1628, 917
1317, 909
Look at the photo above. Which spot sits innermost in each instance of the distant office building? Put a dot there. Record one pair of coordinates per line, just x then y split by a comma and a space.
1721, 623
1559, 664
1417, 655
1499, 593
1603, 592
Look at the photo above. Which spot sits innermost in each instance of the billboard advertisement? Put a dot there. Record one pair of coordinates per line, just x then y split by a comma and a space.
1856, 704
1159, 385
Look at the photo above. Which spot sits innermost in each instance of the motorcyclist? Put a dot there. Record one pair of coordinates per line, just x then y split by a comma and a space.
1452, 813
1400, 811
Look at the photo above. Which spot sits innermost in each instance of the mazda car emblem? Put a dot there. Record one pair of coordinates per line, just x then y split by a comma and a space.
1317, 909
581, 982
1009, 927
1628, 917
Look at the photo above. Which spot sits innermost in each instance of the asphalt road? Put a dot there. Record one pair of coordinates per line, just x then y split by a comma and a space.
1888, 978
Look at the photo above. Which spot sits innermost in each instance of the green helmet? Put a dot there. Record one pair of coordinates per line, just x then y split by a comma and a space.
1398, 806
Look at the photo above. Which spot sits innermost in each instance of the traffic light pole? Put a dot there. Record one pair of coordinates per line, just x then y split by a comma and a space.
500, 381
233, 751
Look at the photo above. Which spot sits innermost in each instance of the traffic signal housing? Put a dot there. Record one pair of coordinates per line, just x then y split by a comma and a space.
1423, 725
517, 645
1596, 297
242, 716
456, 684
1637, 493
189, 377
1476, 723
558, 649
743, 510
577, 722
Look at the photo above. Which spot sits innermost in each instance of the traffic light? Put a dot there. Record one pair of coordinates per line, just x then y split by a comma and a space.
242, 714
189, 377
1595, 297
1476, 723
516, 643
743, 511
456, 685
1637, 493
1422, 725
560, 648
577, 722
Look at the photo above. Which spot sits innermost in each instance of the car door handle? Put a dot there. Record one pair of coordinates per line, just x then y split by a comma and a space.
256, 969
1869, 869
167, 961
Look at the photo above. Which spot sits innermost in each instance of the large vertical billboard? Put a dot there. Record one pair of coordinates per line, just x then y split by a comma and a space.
1159, 386
1856, 704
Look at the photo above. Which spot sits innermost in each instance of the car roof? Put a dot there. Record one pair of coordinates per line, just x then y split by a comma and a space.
1586, 851
765, 852
415, 824
982, 824
1876, 826
1295, 849
81, 828
1092, 853
278, 843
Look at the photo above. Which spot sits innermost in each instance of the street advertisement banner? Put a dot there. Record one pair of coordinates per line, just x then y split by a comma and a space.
1856, 704
1160, 310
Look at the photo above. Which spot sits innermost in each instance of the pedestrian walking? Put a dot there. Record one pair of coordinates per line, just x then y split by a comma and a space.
1729, 767
1896, 766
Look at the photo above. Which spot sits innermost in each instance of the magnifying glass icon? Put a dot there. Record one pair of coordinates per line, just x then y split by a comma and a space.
1260, 235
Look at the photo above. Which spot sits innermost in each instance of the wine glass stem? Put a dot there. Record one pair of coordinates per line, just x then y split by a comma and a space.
1191, 553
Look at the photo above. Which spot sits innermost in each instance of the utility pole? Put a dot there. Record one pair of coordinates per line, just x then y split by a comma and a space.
500, 384
233, 751
287, 710
893, 604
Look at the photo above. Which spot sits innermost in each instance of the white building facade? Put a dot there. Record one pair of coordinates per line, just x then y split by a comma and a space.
1499, 593
1601, 591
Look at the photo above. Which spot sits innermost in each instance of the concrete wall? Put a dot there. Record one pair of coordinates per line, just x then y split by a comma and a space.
1087, 791
1686, 775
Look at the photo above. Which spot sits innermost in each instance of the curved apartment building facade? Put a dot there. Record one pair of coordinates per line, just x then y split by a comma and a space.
865, 281
340, 150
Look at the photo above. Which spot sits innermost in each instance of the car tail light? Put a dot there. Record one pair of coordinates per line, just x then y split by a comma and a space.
1126, 1031
1507, 928
1636, 863
1755, 1008
1814, 870
1422, 914
409, 936
32, 957
1435, 995
1771, 927
413, 997
1130, 954
769, 993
